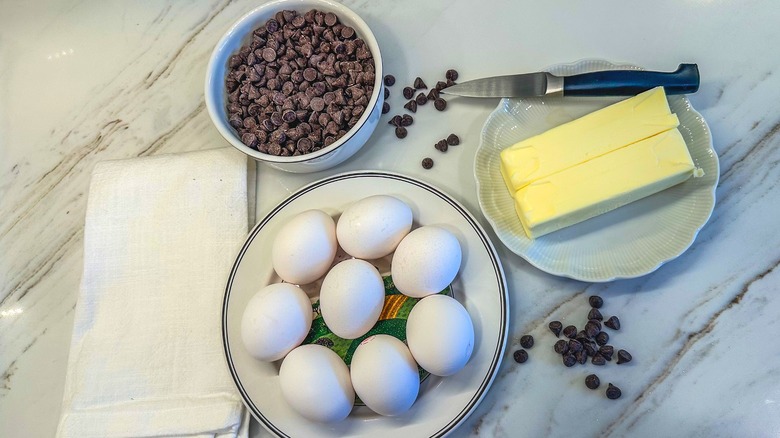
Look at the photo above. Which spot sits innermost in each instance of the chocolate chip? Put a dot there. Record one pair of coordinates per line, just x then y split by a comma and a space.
427, 163
451, 75
408, 92
569, 360
613, 322
592, 381
595, 301
395, 121
304, 144
269, 54
623, 356
556, 328
441, 85
520, 355
406, 120
421, 99
527, 341
590, 348
250, 140
453, 140
400, 132
606, 351
592, 328
598, 360
389, 80
570, 331
575, 345
602, 338
440, 104
411, 106
613, 392
419, 84
385, 108
330, 19
441, 146
595, 314
289, 116
450, 83
387, 93
433, 94
561, 347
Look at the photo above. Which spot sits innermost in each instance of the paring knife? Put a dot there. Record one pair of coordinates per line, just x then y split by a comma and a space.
684, 80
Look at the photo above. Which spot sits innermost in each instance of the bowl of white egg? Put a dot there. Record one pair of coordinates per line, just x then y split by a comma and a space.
365, 301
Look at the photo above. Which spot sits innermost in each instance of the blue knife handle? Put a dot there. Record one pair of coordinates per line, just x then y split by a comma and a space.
684, 80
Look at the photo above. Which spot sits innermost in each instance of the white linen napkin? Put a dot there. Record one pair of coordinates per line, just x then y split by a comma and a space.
146, 357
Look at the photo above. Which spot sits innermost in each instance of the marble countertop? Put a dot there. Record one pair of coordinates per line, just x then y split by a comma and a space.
85, 81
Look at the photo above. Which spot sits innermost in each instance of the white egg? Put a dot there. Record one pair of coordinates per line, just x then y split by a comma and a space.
276, 320
440, 335
426, 261
304, 248
372, 227
316, 383
384, 375
351, 298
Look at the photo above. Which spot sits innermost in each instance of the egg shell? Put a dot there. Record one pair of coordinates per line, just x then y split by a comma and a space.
440, 335
372, 227
351, 298
316, 383
426, 261
384, 375
275, 320
304, 247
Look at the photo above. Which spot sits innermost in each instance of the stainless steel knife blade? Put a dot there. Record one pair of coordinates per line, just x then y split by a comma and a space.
521, 85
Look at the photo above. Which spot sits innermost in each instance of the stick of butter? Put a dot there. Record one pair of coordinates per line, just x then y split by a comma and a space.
603, 184
588, 137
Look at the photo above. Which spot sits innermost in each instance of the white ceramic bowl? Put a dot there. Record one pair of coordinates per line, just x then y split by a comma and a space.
239, 34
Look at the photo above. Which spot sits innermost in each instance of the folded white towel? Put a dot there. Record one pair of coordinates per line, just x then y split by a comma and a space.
146, 357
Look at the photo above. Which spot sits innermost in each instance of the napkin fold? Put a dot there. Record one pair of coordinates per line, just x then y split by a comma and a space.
146, 357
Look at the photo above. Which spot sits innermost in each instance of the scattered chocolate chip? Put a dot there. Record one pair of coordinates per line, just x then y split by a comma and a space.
595, 314
400, 132
592, 328
613, 322
561, 347
421, 99
520, 356
427, 163
606, 351
419, 84
406, 120
595, 301
411, 106
598, 360
389, 80
385, 108
570, 331
613, 392
527, 341
451, 75
450, 83
590, 348
433, 94
581, 357
569, 360
582, 336
623, 356
387, 93
441, 146
395, 121
556, 328
441, 85
408, 92
602, 338
575, 345
592, 381
440, 104
453, 140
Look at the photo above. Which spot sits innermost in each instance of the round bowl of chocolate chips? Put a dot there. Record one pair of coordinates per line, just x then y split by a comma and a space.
296, 84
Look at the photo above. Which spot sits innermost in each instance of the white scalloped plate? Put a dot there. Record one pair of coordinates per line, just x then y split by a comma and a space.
631, 241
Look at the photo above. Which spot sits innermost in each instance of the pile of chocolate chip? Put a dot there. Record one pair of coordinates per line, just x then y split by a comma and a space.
300, 84
590, 342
